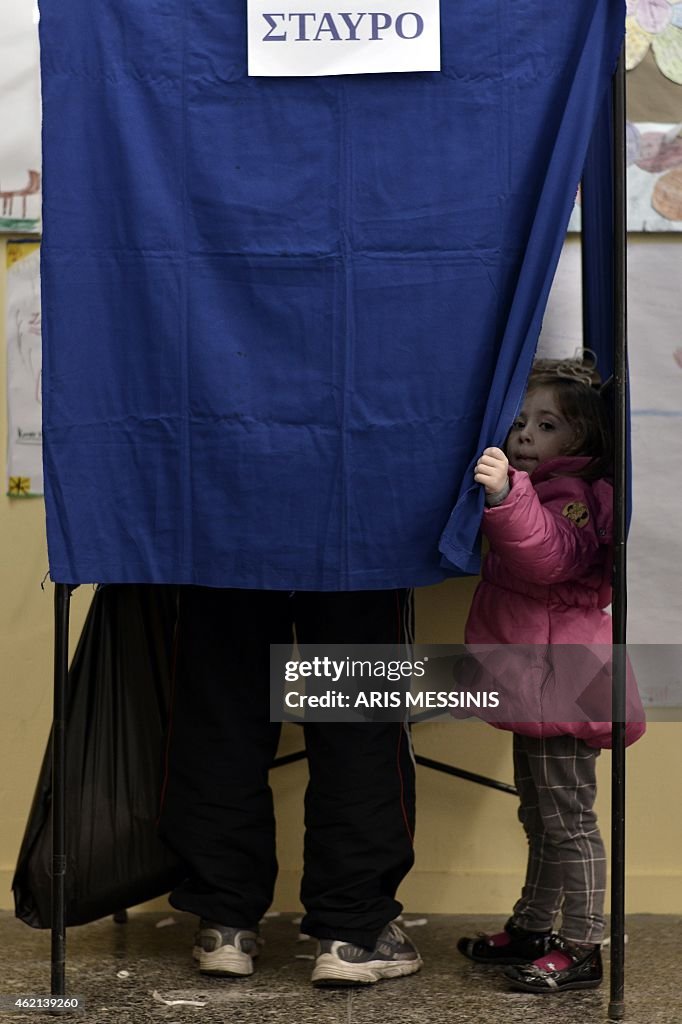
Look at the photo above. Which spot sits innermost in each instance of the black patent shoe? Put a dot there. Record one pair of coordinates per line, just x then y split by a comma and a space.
544, 978
523, 946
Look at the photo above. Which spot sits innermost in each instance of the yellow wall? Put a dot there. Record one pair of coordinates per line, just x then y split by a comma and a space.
26, 629
470, 849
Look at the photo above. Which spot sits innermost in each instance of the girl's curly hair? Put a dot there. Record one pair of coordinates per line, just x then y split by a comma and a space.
575, 385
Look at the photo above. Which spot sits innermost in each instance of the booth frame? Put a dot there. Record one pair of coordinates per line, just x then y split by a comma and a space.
63, 591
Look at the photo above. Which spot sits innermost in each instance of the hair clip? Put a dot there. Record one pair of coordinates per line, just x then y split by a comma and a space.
582, 366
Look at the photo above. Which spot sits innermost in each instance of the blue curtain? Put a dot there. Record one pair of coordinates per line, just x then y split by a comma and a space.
282, 317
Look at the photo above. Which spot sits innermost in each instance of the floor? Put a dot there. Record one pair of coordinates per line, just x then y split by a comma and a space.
142, 972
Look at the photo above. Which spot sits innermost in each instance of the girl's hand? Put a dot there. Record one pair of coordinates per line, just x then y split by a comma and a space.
492, 470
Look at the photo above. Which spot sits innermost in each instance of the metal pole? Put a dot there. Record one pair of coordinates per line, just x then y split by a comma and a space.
426, 762
617, 1004
461, 773
62, 596
587, 339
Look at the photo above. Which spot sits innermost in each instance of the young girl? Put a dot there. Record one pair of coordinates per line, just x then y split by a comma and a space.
546, 580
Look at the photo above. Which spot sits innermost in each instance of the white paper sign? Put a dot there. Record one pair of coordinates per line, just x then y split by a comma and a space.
330, 37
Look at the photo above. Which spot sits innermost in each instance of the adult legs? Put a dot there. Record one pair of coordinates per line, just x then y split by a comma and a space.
359, 805
217, 812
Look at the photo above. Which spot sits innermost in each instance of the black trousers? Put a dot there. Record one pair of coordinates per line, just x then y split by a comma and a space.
217, 809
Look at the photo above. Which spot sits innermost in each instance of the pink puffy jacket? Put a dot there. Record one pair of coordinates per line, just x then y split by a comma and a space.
546, 580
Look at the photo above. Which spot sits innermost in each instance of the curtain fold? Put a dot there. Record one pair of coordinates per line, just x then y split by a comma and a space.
573, 156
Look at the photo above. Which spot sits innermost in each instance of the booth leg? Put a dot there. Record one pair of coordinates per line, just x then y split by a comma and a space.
62, 600
618, 711
616, 997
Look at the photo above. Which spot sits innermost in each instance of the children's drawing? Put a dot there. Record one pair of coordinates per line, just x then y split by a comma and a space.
24, 370
20, 157
655, 24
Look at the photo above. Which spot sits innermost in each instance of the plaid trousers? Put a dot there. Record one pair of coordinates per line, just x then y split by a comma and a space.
555, 778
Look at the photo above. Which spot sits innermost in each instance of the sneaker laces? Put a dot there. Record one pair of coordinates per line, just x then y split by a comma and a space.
392, 933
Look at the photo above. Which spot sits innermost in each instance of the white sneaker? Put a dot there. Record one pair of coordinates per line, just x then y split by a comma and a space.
225, 952
343, 963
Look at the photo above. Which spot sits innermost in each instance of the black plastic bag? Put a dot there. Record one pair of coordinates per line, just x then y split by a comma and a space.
117, 708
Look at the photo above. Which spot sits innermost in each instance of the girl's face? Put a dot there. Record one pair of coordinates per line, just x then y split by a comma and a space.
541, 432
